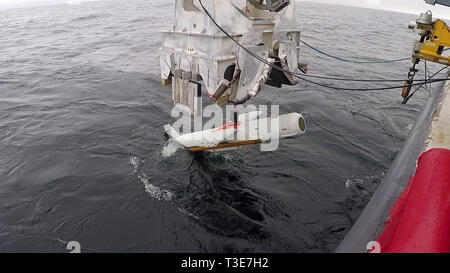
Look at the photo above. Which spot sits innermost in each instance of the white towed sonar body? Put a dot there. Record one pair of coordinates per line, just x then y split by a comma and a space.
247, 129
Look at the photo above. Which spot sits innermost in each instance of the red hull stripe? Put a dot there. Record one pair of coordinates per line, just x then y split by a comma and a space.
420, 220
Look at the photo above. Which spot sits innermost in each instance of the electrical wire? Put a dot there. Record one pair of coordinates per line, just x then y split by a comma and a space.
352, 61
300, 76
420, 86
361, 80
370, 89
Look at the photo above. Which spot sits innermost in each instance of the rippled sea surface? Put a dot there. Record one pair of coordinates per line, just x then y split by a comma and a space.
81, 117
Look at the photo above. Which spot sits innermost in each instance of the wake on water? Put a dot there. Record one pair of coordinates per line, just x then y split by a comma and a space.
152, 190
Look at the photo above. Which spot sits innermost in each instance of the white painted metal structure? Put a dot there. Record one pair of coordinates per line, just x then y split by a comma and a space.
439, 137
196, 50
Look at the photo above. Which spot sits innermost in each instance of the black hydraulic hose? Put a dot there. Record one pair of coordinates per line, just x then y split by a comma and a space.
420, 86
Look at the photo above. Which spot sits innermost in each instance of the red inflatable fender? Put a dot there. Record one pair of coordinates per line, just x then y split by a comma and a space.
420, 220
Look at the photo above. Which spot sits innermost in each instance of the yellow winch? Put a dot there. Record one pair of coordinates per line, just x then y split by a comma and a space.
435, 38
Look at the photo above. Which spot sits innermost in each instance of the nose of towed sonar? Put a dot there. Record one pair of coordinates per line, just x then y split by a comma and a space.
302, 124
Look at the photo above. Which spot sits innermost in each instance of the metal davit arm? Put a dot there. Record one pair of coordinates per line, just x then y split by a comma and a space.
270, 5
434, 39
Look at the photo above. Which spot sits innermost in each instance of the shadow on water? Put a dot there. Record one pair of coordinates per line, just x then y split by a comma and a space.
213, 192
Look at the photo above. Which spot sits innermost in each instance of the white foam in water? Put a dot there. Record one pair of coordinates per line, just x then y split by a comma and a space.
152, 190
169, 150
348, 183
134, 161
184, 211
155, 192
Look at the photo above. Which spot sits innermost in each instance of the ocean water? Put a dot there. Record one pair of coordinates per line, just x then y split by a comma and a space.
81, 140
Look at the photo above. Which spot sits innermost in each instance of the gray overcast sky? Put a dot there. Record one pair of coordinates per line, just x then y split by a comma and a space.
409, 6
23, 3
